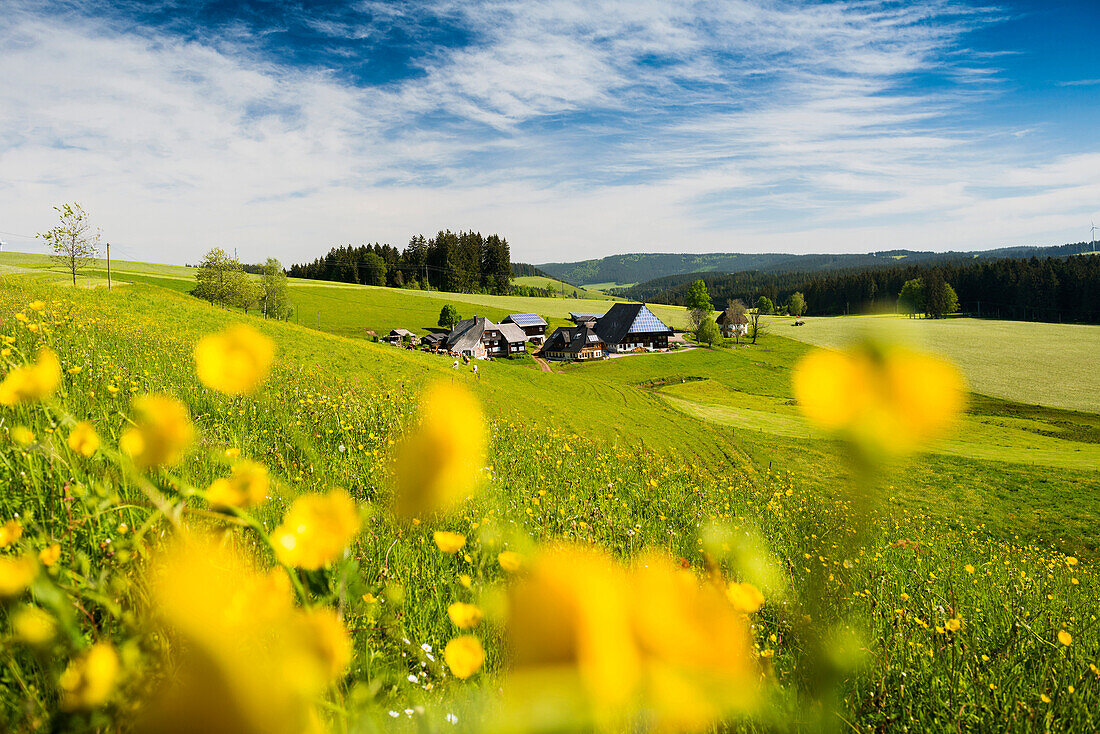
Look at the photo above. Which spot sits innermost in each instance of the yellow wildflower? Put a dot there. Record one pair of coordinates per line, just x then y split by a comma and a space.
236, 361
162, 433
232, 453
90, 679
1065, 637
438, 464
464, 656
33, 381
1071, 561
464, 616
465, 580
888, 399
510, 561
953, 625
449, 542
37, 305
83, 439
330, 641
969, 568
370, 598
16, 574
74, 370
22, 435
247, 485
10, 532
33, 626
745, 598
49, 555
316, 529
1044, 698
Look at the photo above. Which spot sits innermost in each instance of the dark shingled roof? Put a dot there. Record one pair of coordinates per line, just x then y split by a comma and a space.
729, 317
571, 339
628, 318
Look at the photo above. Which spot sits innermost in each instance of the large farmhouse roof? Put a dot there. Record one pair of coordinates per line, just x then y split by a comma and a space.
524, 319
585, 316
466, 334
512, 333
729, 316
628, 318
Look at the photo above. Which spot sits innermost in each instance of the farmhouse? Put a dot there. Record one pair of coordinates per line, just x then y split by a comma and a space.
399, 335
733, 323
631, 327
433, 341
577, 343
480, 338
580, 318
533, 325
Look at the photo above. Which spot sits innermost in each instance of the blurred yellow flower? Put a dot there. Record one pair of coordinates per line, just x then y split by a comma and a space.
83, 439
969, 568
16, 574
316, 529
37, 305
22, 435
1071, 561
232, 453
1065, 637
74, 370
236, 361
464, 616
464, 656
330, 641
438, 463
90, 679
162, 433
510, 561
49, 555
32, 381
246, 486
33, 626
10, 532
745, 598
953, 625
250, 660
883, 398
449, 542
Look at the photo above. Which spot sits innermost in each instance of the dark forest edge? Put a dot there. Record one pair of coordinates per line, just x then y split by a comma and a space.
1033, 289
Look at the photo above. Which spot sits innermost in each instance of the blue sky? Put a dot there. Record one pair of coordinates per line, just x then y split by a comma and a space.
576, 129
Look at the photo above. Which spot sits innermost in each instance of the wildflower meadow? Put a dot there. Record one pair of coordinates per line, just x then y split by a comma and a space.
212, 522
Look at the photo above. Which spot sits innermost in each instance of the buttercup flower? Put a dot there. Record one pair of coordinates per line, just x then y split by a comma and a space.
1065, 638
330, 640
884, 399
33, 381
22, 435
438, 464
510, 561
49, 555
316, 529
90, 679
16, 574
162, 433
464, 656
33, 626
236, 361
464, 616
83, 439
745, 598
10, 532
449, 542
247, 485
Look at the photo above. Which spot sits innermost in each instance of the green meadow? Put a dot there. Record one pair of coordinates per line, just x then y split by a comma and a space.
660, 451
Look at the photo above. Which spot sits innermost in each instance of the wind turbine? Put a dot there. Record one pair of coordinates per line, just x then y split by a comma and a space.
1093, 233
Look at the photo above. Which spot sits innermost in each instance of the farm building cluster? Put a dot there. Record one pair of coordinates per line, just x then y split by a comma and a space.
625, 327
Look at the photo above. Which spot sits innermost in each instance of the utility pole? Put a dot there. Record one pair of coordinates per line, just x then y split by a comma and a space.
108, 267
427, 285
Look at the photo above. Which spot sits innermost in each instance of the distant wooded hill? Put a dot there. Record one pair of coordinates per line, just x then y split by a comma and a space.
1032, 289
640, 267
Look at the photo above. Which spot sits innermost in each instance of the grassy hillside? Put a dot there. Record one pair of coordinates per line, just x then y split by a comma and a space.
952, 574
564, 289
1029, 362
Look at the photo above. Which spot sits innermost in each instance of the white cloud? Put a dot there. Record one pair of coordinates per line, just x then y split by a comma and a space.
755, 110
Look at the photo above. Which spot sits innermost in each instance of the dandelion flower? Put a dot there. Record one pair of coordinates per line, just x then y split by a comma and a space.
83, 439
438, 463
236, 361
464, 656
33, 381
1071, 561
10, 532
464, 616
16, 574
247, 486
745, 598
33, 626
885, 399
49, 555
969, 568
22, 435
37, 305
953, 625
162, 433
90, 679
316, 529
1065, 637
449, 542
510, 561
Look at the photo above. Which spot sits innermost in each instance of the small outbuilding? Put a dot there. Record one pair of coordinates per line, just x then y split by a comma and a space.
733, 323
399, 335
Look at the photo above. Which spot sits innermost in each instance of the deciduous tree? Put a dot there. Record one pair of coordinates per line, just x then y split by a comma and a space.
73, 241
448, 317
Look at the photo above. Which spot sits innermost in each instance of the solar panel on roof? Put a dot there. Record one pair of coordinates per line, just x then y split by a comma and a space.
527, 319
646, 322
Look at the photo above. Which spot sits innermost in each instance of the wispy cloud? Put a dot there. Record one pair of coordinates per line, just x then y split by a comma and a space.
572, 127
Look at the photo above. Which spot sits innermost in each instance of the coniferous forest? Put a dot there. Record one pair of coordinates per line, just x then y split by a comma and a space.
1033, 289
459, 262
